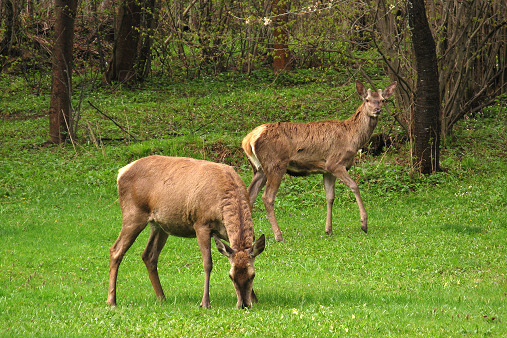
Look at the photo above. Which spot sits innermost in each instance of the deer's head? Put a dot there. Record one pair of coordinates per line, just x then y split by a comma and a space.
373, 101
242, 271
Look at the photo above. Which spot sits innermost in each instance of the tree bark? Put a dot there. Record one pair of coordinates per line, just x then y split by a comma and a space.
426, 119
126, 44
60, 118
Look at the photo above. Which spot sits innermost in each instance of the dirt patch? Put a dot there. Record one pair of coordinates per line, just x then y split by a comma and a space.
224, 153
21, 116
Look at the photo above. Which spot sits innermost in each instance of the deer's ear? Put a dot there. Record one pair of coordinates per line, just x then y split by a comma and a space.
389, 90
223, 248
360, 89
258, 246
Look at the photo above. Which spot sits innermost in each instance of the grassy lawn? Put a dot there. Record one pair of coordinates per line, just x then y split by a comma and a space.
433, 263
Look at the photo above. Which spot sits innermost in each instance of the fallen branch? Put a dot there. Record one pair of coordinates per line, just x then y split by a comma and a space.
112, 120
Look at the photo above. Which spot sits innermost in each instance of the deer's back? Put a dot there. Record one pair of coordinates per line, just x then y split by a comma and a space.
177, 192
306, 147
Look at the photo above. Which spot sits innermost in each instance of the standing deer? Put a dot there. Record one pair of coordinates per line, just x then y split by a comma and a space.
300, 149
187, 198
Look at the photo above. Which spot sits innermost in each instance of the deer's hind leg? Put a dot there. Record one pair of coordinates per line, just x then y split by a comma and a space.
150, 255
258, 182
329, 181
133, 224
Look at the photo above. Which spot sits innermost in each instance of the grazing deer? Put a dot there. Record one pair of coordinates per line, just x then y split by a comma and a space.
300, 149
187, 198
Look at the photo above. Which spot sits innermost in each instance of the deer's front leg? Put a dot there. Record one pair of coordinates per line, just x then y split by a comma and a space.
343, 175
204, 241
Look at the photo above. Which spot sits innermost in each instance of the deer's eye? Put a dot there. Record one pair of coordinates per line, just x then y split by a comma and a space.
366, 100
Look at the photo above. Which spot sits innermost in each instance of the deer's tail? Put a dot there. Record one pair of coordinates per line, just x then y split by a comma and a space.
248, 146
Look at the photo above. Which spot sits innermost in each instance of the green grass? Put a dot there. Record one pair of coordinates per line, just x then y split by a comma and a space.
434, 262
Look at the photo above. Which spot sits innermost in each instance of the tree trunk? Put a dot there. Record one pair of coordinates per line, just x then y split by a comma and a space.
61, 88
281, 60
125, 49
426, 120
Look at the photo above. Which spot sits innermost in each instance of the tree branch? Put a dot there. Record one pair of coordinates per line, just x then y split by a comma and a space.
111, 119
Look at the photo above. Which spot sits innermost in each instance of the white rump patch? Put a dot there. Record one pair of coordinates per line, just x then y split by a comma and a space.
256, 133
254, 159
121, 171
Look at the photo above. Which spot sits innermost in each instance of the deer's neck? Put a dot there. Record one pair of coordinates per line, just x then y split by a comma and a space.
238, 221
361, 126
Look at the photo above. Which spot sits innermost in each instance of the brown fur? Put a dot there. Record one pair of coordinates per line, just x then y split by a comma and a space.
300, 149
187, 198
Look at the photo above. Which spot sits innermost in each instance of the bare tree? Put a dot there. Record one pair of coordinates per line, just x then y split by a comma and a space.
472, 59
472, 40
60, 118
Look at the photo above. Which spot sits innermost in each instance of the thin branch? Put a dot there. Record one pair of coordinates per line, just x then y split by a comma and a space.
70, 132
185, 12
111, 119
